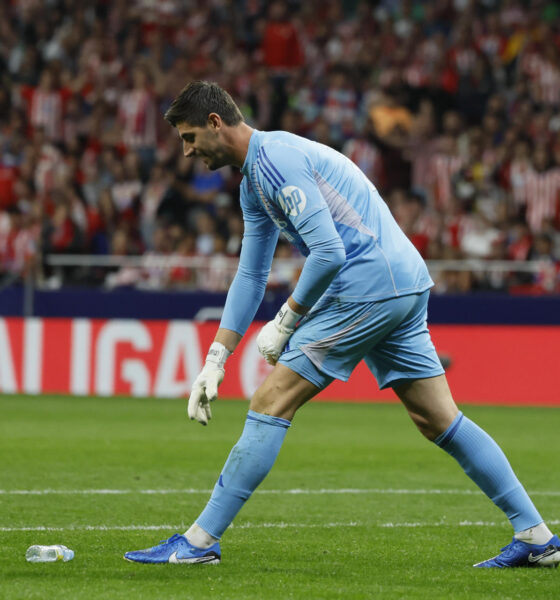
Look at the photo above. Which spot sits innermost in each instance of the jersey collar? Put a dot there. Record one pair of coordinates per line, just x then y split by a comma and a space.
251, 152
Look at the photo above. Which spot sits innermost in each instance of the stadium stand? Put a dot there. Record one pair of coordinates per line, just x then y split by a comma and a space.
451, 107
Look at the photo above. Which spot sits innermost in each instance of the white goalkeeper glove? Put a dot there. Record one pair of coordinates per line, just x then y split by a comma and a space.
275, 334
205, 386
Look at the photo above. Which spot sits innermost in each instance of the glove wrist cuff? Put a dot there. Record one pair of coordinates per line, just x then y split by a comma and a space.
286, 318
218, 354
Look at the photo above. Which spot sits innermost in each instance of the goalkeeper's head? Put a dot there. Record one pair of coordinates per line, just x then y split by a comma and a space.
210, 124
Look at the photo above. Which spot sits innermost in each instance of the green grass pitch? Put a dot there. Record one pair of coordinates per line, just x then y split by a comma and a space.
380, 512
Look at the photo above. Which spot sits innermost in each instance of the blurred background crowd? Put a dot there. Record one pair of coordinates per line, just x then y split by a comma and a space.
451, 108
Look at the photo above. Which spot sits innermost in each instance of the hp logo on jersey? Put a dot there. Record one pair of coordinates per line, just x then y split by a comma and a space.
292, 200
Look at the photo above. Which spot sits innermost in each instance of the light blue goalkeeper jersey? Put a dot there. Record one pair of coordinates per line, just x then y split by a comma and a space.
322, 203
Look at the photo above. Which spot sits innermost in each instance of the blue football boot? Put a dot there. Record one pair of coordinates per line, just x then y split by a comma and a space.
176, 550
522, 554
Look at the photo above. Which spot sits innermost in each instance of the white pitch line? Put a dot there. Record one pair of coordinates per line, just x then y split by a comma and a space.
94, 528
101, 492
280, 525
447, 524
296, 491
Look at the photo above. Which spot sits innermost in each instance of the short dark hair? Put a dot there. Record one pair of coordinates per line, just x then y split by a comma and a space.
197, 100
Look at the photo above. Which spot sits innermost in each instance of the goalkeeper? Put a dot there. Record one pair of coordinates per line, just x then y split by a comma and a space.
362, 294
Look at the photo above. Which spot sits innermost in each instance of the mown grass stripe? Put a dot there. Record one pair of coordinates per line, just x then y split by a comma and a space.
296, 491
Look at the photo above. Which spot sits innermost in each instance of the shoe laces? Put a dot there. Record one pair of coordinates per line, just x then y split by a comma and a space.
174, 538
510, 548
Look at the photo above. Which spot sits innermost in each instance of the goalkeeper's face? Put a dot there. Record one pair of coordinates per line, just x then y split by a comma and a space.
206, 143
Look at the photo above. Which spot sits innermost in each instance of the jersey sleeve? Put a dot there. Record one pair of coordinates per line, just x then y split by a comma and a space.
286, 176
248, 286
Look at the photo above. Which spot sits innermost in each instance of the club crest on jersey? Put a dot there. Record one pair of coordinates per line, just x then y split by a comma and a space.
292, 200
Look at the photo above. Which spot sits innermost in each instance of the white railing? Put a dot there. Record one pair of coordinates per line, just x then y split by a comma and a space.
155, 261
215, 273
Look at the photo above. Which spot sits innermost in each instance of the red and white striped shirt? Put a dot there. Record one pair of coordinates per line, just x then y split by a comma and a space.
16, 246
50, 169
542, 197
518, 170
46, 110
455, 229
549, 83
138, 115
545, 77
442, 169
367, 157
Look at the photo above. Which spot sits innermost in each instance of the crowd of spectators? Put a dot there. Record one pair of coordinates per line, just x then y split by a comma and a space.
451, 107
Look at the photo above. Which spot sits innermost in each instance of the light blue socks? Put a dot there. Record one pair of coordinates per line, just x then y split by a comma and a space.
248, 464
485, 463
254, 454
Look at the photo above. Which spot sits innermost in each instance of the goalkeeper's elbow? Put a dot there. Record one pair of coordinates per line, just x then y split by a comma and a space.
339, 257
332, 258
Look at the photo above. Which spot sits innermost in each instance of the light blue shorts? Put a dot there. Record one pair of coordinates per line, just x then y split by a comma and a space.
390, 335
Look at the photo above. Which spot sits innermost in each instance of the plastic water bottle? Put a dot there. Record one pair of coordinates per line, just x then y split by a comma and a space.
37, 554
